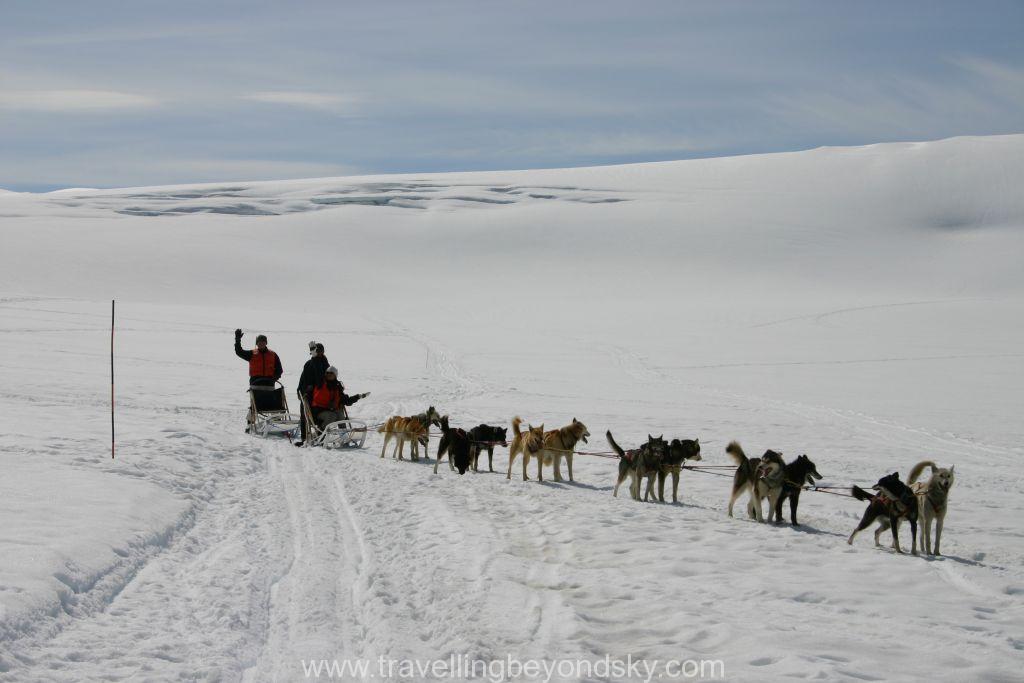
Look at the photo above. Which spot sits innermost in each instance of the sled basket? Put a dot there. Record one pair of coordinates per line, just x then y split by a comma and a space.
269, 414
345, 433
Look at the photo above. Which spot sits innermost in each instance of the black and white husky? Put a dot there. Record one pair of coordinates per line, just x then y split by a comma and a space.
679, 451
893, 502
639, 464
763, 477
800, 472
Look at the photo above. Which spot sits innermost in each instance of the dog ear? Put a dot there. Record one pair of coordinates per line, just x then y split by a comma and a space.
951, 468
662, 437
697, 441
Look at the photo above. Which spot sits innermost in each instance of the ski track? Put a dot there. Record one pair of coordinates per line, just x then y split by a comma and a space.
291, 555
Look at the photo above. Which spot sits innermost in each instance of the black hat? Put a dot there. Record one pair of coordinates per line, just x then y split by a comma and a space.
261, 338
319, 348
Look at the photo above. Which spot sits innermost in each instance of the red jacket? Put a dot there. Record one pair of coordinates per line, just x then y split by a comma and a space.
264, 364
332, 396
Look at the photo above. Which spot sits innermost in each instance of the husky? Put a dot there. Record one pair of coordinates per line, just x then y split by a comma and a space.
554, 445
456, 443
797, 473
487, 437
894, 500
679, 451
638, 464
529, 443
763, 477
931, 499
415, 430
561, 443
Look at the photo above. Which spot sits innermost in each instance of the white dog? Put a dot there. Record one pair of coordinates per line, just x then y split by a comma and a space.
931, 500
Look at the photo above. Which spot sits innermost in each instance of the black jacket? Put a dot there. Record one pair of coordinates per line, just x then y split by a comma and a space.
246, 355
313, 373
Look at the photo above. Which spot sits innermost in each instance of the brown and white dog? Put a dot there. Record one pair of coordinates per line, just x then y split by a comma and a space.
528, 443
561, 443
415, 430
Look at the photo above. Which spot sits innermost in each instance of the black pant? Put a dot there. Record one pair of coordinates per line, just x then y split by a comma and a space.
302, 412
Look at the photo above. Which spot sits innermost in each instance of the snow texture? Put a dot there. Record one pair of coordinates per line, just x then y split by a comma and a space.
862, 305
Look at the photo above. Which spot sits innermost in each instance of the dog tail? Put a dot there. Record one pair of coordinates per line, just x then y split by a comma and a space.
383, 428
737, 454
615, 446
918, 469
861, 494
516, 421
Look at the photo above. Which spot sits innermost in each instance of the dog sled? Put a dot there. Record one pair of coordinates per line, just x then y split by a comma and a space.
269, 414
345, 433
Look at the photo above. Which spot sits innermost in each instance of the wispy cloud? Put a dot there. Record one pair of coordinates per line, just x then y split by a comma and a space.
76, 101
88, 169
307, 100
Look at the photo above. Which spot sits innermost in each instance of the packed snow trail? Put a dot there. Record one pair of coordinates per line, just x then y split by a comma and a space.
295, 555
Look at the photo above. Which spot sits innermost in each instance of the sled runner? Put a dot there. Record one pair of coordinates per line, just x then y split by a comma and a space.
345, 433
269, 414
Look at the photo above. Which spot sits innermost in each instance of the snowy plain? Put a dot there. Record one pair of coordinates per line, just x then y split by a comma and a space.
862, 305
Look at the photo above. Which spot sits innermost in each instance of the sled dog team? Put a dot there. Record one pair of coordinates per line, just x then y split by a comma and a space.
768, 477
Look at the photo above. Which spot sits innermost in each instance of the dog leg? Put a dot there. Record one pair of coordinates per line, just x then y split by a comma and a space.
675, 487
385, 446
940, 517
794, 500
661, 486
913, 536
865, 522
568, 462
732, 499
539, 455
556, 463
894, 524
618, 483
511, 459
755, 504
490, 458
926, 533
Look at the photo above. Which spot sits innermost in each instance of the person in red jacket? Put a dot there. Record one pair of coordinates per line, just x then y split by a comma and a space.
264, 371
330, 399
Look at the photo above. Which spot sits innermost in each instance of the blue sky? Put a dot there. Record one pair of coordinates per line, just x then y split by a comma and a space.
140, 92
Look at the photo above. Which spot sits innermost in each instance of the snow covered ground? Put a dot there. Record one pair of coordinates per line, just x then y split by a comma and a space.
862, 305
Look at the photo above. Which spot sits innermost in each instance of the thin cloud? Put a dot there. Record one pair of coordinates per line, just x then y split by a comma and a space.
306, 100
73, 101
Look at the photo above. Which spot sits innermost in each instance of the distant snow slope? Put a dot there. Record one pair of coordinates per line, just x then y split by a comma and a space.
860, 305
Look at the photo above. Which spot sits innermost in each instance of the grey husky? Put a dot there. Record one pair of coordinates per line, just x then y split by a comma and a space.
638, 464
763, 477
932, 498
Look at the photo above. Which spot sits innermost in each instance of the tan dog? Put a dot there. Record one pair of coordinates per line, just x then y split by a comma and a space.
528, 443
560, 443
415, 430
555, 444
